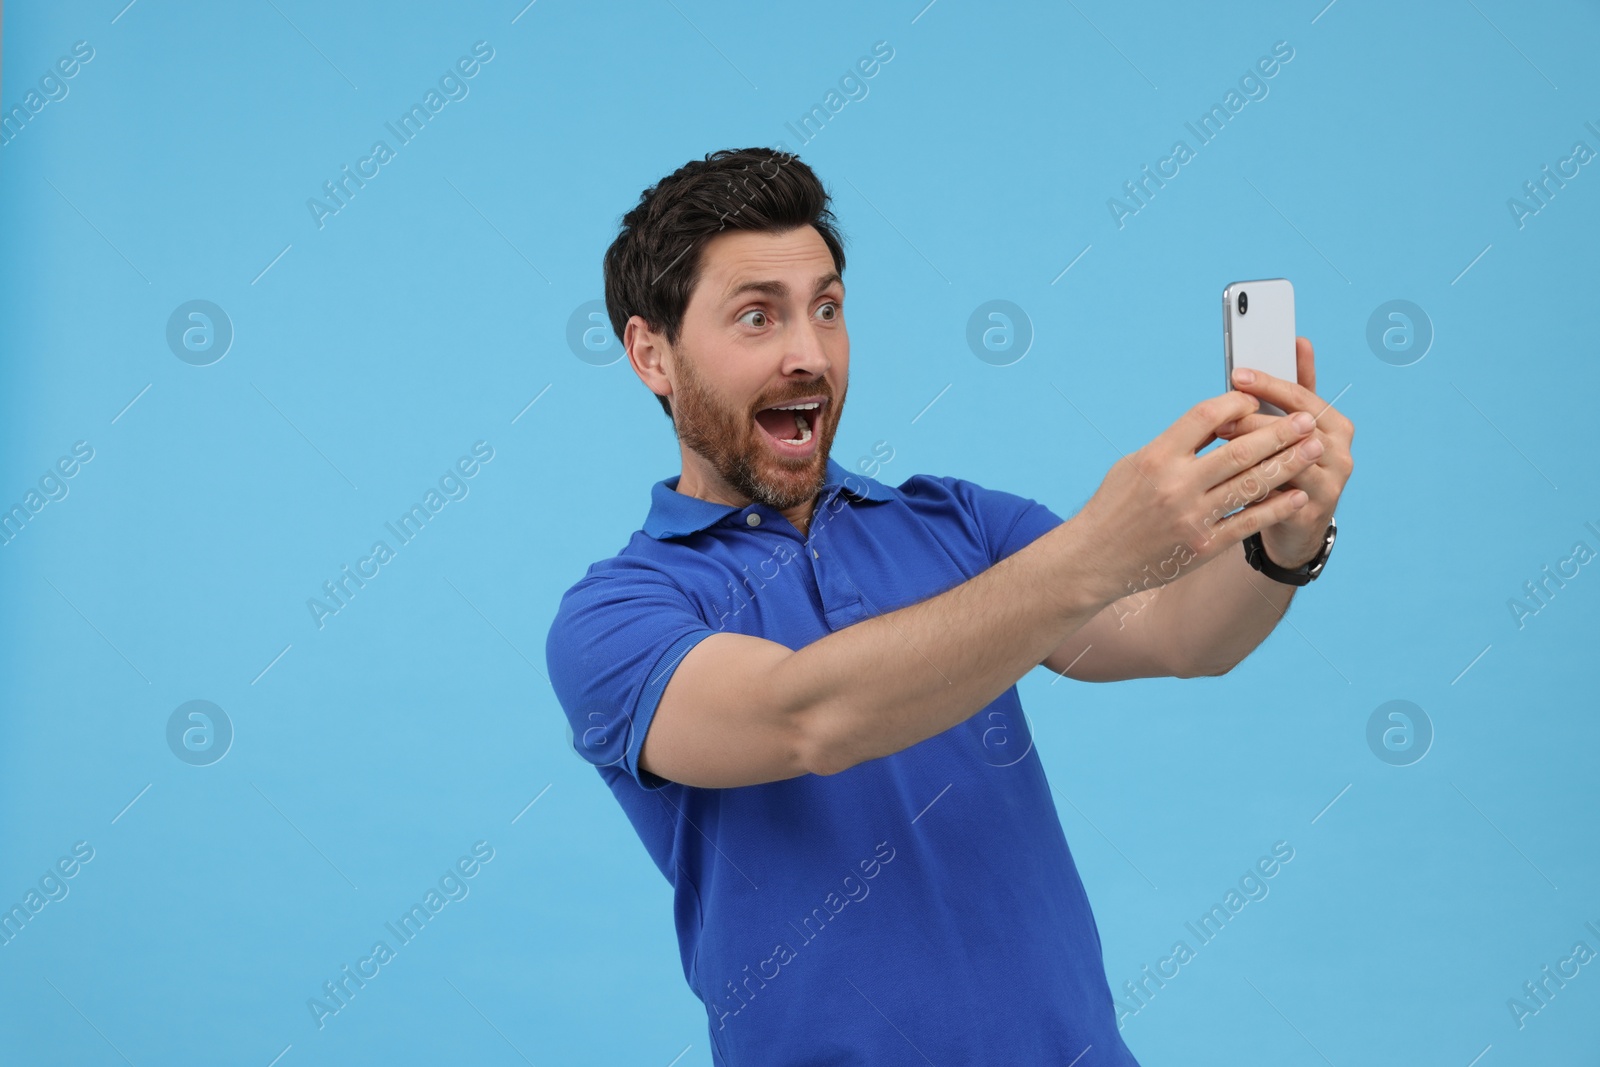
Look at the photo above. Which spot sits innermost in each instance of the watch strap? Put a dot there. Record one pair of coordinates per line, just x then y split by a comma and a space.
1307, 572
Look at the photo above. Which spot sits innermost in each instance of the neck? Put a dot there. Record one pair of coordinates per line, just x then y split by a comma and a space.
699, 482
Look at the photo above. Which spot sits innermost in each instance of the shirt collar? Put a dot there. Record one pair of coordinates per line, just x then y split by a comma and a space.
675, 514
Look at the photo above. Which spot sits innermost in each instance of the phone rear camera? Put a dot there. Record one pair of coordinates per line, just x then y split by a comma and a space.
1244, 302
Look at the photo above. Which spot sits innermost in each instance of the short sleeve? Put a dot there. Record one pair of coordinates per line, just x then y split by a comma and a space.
618, 635
1007, 522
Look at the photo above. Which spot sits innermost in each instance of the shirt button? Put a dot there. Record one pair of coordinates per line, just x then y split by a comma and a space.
753, 519
814, 554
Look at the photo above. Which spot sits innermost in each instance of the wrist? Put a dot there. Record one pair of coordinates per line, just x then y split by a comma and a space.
1289, 552
1307, 570
1082, 577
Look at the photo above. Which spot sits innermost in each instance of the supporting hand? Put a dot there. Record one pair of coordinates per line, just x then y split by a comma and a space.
1296, 538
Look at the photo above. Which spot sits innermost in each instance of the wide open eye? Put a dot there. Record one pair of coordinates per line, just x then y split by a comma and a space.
754, 317
828, 312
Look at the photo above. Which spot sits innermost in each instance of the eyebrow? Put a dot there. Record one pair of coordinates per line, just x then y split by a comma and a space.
777, 289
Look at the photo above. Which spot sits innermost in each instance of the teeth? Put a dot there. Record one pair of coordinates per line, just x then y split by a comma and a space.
797, 407
805, 431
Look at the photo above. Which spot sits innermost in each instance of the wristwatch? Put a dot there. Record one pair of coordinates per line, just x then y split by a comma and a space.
1301, 575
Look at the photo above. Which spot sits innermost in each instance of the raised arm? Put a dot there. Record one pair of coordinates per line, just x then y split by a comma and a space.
1203, 618
741, 710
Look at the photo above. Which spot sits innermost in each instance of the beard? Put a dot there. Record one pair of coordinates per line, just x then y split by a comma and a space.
731, 441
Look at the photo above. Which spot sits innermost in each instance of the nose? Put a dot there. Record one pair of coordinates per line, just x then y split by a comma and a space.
805, 352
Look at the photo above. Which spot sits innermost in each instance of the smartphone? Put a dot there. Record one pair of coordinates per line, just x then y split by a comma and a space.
1258, 331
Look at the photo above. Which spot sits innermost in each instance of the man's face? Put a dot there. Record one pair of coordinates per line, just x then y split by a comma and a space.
764, 327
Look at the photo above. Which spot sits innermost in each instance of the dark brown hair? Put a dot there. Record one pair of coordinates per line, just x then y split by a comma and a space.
652, 266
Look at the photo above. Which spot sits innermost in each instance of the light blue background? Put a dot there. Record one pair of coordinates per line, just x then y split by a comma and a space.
433, 309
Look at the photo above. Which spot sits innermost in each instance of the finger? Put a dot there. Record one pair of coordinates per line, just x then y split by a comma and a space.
1290, 396
1268, 511
1197, 427
1305, 363
1334, 429
1336, 456
1244, 452
1248, 424
1331, 440
1321, 483
1221, 433
1253, 484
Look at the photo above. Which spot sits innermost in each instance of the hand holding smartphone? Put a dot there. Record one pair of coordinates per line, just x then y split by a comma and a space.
1144, 517
1258, 331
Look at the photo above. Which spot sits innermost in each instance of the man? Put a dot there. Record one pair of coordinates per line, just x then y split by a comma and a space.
799, 682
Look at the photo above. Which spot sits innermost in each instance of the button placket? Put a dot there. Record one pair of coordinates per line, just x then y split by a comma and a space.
841, 602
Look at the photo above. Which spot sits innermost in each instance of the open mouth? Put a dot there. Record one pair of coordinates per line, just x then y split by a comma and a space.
792, 425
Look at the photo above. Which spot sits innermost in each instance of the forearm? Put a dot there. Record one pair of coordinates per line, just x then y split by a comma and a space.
1216, 615
890, 681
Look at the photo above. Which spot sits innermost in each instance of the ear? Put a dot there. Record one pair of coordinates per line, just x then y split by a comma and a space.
648, 354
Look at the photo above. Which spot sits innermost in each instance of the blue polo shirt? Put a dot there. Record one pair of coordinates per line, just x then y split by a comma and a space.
922, 907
